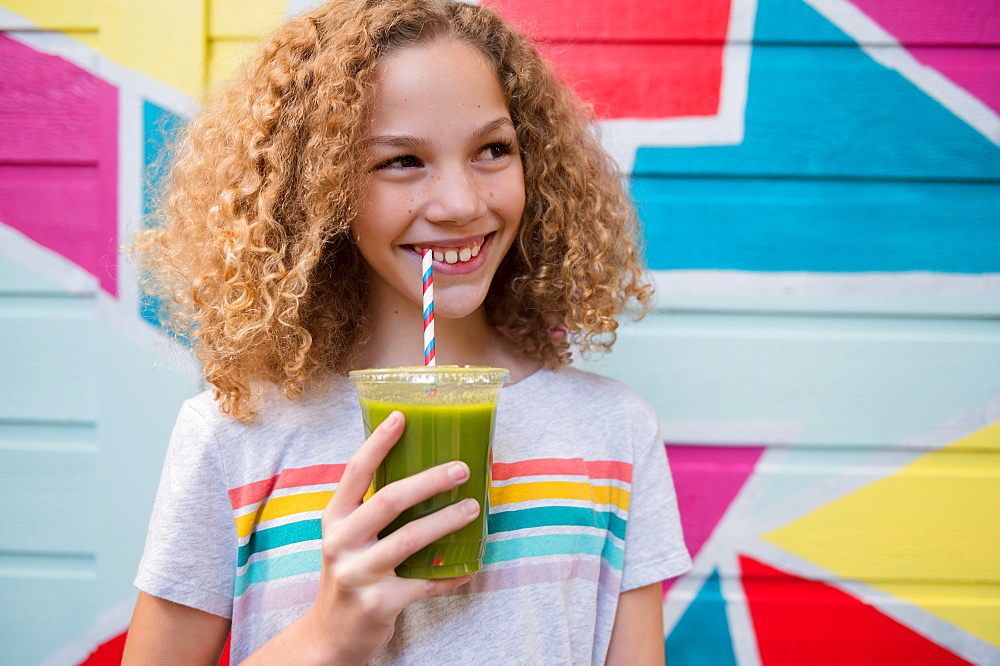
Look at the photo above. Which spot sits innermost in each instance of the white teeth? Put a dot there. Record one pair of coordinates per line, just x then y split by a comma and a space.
453, 256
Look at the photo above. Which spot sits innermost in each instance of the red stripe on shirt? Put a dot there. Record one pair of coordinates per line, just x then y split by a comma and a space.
292, 477
594, 469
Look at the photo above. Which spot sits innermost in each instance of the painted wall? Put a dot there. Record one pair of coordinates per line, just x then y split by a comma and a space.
819, 182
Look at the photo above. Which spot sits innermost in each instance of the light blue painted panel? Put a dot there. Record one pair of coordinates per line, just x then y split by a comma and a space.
840, 381
826, 226
49, 501
41, 611
134, 430
15, 279
47, 352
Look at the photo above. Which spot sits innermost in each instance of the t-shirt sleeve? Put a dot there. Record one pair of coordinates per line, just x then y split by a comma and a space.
654, 542
191, 543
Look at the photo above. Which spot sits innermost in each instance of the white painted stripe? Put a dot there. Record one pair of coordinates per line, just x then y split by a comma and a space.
886, 50
760, 283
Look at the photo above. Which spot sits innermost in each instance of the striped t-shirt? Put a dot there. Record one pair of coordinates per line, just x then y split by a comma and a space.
582, 508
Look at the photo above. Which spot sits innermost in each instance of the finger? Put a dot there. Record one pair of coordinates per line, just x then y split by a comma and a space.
411, 590
385, 506
360, 469
390, 552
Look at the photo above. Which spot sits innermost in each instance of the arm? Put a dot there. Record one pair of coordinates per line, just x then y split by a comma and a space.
163, 632
637, 636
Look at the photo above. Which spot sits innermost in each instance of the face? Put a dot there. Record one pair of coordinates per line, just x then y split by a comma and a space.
445, 174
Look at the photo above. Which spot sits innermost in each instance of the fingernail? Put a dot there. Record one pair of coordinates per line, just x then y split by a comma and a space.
392, 419
458, 471
470, 506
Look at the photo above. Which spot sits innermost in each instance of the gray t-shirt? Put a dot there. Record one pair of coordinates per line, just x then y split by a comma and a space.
583, 508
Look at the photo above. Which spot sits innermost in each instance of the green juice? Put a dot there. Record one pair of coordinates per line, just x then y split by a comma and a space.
436, 434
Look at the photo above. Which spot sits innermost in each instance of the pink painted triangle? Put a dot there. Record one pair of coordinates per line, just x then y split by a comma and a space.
968, 32
707, 480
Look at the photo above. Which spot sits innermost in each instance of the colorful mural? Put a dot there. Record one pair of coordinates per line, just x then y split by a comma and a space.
819, 183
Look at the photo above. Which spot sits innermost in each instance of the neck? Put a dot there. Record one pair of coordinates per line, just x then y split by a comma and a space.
397, 340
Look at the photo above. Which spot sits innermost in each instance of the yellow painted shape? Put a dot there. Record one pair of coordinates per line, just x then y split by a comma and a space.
937, 520
63, 15
244, 18
226, 57
523, 492
279, 507
187, 44
164, 40
235, 29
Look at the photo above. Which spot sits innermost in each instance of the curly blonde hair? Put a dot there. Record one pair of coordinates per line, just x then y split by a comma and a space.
252, 256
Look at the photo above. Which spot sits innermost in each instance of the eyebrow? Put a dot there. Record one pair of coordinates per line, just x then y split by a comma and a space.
408, 141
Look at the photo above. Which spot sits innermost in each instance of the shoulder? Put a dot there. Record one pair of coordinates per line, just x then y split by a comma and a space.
579, 405
586, 390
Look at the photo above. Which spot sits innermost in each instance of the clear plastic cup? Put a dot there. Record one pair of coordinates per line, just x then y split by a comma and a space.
450, 412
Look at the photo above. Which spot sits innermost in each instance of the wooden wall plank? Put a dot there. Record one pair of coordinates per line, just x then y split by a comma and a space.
243, 19
964, 22
50, 500
829, 381
72, 15
52, 353
38, 606
795, 131
819, 225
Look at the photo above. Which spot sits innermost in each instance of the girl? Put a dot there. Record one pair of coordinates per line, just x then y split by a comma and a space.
364, 133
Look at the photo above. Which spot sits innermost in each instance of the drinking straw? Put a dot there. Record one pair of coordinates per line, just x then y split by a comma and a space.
427, 261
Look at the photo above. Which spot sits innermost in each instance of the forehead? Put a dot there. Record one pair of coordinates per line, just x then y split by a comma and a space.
444, 81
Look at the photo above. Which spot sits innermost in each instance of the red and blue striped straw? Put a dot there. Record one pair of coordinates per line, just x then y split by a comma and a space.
427, 261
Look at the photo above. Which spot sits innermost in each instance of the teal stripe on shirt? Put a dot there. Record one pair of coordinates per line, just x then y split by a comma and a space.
282, 535
553, 544
550, 516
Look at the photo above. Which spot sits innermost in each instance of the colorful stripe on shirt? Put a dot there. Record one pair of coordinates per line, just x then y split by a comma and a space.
550, 519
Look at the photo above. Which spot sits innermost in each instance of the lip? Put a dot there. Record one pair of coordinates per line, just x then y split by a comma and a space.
462, 267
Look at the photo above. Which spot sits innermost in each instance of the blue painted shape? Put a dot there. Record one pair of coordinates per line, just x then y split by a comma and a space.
834, 143
701, 637
160, 128
830, 226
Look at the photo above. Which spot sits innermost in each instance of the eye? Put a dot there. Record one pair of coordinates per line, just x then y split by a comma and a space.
400, 162
496, 150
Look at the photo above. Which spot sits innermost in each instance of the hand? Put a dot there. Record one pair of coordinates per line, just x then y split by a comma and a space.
360, 595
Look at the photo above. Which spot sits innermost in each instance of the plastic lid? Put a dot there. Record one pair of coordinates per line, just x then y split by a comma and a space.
447, 375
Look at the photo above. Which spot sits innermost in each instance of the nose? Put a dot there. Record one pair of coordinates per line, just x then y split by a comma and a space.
454, 197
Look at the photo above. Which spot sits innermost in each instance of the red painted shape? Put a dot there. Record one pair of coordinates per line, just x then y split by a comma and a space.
107, 654
59, 158
110, 653
799, 621
643, 59
958, 38
707, 480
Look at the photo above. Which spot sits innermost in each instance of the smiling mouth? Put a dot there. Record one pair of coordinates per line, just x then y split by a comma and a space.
454, 255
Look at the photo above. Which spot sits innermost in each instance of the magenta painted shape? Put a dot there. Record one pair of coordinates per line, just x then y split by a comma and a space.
59, 158
969, 31
707, 480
